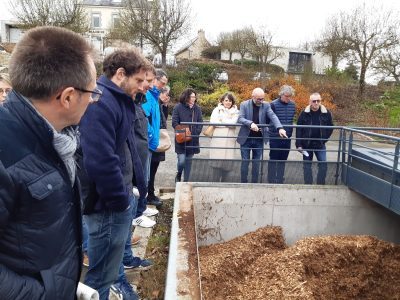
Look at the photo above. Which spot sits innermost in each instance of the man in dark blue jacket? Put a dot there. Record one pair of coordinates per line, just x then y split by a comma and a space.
54, 80
284, 108
111, 161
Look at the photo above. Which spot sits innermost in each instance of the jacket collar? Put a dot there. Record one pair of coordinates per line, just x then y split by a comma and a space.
323, 109
103, 81
18, 106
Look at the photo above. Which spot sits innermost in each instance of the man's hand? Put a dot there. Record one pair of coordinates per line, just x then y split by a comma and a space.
254, 127
282, 133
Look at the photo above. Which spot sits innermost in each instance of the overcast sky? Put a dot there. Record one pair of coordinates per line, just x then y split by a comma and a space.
292, 22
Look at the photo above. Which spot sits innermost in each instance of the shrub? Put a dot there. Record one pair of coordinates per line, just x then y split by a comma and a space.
208, 102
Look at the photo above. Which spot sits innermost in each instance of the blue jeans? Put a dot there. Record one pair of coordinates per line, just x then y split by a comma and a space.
84, 236
322, 165
256, 146
108, 231
128, 245
142, 202
184, 164
276, 168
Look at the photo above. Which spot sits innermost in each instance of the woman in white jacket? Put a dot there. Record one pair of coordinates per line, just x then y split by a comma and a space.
224, 137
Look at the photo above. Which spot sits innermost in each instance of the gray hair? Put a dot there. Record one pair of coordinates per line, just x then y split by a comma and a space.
165, 89
316, 95
6, 78
286, 89
160, 73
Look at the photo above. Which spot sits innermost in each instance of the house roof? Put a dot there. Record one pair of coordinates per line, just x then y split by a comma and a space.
116, 3
186, 46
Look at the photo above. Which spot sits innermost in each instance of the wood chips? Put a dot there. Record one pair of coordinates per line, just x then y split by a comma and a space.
259, 265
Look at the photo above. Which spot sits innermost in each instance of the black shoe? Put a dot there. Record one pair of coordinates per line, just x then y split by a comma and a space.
154, 200
178, 177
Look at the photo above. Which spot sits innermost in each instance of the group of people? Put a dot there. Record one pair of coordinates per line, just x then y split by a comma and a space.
255, 114
51, 173
75, 177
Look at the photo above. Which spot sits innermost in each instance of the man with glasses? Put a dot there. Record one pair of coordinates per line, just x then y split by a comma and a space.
251, 137
51, 69
111, 161
312, 139
284, 108
5, 87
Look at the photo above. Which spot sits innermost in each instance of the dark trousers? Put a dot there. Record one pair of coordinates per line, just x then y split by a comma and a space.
277, 157
153, 170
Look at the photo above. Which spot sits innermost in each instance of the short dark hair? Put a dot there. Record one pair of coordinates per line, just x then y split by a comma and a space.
48, 59
130, 59
185, 96
228, 95
160, 73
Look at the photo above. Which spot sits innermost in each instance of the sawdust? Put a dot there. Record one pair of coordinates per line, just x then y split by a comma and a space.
259, 265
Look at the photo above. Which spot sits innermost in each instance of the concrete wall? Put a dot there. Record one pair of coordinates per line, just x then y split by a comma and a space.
226, 211
207, 213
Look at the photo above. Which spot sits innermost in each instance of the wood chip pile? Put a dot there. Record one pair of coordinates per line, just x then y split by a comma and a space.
259, 265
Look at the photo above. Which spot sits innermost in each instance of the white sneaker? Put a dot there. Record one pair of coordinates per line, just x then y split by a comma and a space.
149, 212
135, 192
143, 221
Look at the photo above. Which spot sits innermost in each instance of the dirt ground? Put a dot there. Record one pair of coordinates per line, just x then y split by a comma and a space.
259, 265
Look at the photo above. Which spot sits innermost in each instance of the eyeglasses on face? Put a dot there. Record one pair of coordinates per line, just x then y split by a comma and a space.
5, 90
259, 99
315, 101
227, 100
95, 94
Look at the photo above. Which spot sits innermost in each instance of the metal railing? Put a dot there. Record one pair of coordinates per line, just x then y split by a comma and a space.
366, 161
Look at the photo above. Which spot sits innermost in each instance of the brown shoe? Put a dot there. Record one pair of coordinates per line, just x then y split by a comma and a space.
85, 260
135, 240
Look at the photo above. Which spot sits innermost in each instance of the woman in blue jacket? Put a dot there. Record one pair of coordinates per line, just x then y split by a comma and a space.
187, 111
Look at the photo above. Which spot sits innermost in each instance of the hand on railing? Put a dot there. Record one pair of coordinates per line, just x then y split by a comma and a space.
282, 133
254, 127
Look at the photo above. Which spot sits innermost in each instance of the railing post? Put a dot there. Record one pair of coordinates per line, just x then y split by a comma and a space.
338, 156
349, 155
395, 163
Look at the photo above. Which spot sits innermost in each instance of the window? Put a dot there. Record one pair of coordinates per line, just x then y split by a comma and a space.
298, 62
96, 20
115, 20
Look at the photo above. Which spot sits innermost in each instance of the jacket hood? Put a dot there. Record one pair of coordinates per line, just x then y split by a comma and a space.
323, 109
232, 108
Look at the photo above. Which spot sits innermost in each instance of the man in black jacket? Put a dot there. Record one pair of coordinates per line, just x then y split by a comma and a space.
311, 140
54, 80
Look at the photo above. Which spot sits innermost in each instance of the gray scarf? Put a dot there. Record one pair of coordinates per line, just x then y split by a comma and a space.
65, 143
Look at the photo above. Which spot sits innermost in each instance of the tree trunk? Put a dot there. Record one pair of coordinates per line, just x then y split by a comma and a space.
164, 59
361, 87
230, 56
334, 62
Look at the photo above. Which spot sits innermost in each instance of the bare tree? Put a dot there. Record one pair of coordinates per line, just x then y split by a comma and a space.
158, 22
263, 48
331, 42
388, 63
367, 32
61, 13
225, 41
242, 41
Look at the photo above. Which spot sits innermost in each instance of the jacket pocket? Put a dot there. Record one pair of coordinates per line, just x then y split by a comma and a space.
44, 185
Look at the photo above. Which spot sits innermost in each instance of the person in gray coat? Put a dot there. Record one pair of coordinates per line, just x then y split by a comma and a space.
251, 137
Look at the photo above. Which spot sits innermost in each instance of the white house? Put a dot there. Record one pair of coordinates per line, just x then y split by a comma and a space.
193, 49
292, 60
103, 15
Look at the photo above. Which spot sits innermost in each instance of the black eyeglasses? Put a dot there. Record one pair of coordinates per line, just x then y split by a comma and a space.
315, 101
95, 94
259, 99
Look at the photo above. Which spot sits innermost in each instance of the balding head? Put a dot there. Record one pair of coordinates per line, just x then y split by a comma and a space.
258, 96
